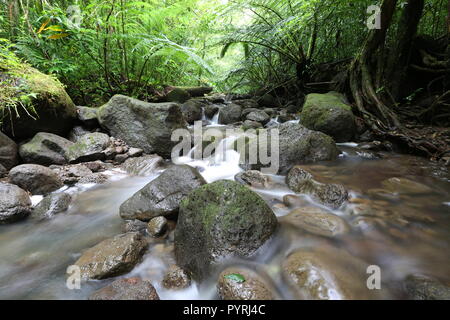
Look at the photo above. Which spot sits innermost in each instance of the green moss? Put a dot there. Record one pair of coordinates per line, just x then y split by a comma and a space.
22, 85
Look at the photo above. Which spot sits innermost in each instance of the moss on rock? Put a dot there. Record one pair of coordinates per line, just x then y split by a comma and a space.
329, 114
219, 220
31, 101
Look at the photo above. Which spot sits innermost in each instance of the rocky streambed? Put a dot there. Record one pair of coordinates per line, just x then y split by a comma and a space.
138, 226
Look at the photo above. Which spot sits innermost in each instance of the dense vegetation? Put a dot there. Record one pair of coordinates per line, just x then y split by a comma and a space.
138, 48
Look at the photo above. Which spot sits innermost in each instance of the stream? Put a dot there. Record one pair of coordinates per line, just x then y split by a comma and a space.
408, 233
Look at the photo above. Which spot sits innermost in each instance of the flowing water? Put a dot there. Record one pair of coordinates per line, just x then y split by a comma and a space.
406, 232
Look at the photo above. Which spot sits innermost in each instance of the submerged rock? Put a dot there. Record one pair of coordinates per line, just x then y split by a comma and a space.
420, 287
243, 284
218, 220
162, 196
35, 178
89, 147
15, 204
8, 152
328, 113
253, 178
327, 274
317, 221
51, 205
301, 181
45, 149
142, 125
176, 278
143, 166
126, 289
405, 186
112, 257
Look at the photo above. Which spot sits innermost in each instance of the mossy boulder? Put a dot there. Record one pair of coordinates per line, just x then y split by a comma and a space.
45, 149
143, 125
89, 147
220, 220
296, 145
31, 92
329, 114
178, 95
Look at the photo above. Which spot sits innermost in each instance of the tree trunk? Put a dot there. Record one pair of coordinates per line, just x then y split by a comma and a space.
363, 75
400, 56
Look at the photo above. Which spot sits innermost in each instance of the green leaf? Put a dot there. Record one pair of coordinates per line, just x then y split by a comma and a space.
236, 277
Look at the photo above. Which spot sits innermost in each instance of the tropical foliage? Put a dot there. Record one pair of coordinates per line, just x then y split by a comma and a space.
101, 47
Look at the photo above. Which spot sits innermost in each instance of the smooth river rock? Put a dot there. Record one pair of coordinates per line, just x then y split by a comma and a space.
317, 221
176, 278
327, 273
143, 166
45, 149
126, 289
243, 284
162, 196
89, 147
112, 257
218, 220
15, 204
35, 178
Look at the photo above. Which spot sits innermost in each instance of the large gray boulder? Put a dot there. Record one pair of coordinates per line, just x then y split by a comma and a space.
230, 113
192, 110
329, 114
148, 126
45, 149
162, 196
89, 147
15, 204
297, 145
219, 220
35, 178
112, 257
8, 152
